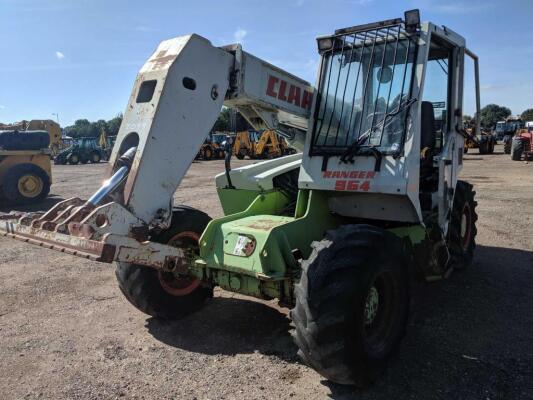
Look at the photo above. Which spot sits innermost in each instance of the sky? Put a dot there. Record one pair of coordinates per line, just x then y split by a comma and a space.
77, 59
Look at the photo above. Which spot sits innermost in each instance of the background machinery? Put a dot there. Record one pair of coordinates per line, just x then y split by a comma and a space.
212, 148
522, 144
484, 142
265, 144
82, 150
52, 127
505, 130
25, 170
342, 233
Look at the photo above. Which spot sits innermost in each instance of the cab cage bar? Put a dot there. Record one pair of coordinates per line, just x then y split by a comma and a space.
362, 45
366, 27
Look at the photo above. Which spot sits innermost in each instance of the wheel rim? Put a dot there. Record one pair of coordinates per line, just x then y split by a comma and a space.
466, 226
371, 305
96, 158
182, 285
381, 308
74, 159
30, 186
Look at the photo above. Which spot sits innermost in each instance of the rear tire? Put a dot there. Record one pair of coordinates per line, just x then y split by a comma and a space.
483, 148
95, 158
240, 156
25, 183
462, 231
160, 294
517, 149
74, 159
352, 303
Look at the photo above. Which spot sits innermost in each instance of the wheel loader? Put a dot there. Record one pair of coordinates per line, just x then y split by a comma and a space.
340, 233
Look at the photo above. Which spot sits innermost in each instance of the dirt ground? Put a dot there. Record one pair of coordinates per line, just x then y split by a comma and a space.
66, 332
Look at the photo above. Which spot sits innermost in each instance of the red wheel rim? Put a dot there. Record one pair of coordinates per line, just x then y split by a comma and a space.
185, 285
466, 226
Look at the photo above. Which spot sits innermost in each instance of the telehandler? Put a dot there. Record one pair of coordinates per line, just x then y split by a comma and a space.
340, 233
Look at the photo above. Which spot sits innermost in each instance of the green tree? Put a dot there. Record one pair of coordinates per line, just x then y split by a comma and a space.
492, 113
527, 115
113, 125
223, 120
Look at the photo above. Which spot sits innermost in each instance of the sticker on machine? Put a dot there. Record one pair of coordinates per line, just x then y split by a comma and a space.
238, 250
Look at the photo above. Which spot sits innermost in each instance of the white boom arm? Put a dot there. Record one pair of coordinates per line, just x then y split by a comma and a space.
176, 99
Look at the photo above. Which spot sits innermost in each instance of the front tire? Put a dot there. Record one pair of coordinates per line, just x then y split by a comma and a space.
161, 294
352, 303
25, 183
462, 231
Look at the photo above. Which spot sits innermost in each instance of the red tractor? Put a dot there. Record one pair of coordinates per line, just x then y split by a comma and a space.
522, 145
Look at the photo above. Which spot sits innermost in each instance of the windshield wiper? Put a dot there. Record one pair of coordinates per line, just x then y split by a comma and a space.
354, 148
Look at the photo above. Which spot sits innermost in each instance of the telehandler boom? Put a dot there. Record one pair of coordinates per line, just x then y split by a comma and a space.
341, 232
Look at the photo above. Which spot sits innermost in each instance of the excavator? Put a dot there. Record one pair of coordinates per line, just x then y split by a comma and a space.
342, 232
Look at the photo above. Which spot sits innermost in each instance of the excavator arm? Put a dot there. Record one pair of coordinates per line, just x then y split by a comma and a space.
174, 103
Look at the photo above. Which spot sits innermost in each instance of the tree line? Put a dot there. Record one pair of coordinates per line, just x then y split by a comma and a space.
492, 113
84, 128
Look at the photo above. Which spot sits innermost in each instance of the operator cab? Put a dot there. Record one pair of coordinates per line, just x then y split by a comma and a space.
386, 123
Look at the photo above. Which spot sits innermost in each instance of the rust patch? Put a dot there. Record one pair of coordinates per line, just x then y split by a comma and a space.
264, 224
81, 230
162, 61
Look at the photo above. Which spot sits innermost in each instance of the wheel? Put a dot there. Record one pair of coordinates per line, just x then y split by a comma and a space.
517, 149
491, 147
163, 294
84, 159
483, 147
95, 158
240, 156
208, 154
26, 183
507, 144
462, 230
465, 150
352, 303
74, 159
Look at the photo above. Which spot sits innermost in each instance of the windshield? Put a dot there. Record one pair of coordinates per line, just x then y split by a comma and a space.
500, 126
364, 92
218, 138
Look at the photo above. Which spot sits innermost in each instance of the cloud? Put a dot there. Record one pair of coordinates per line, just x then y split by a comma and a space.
2, 107
240, 34
59, 55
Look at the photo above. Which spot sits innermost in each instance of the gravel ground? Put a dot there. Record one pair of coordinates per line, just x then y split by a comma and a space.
66, 332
